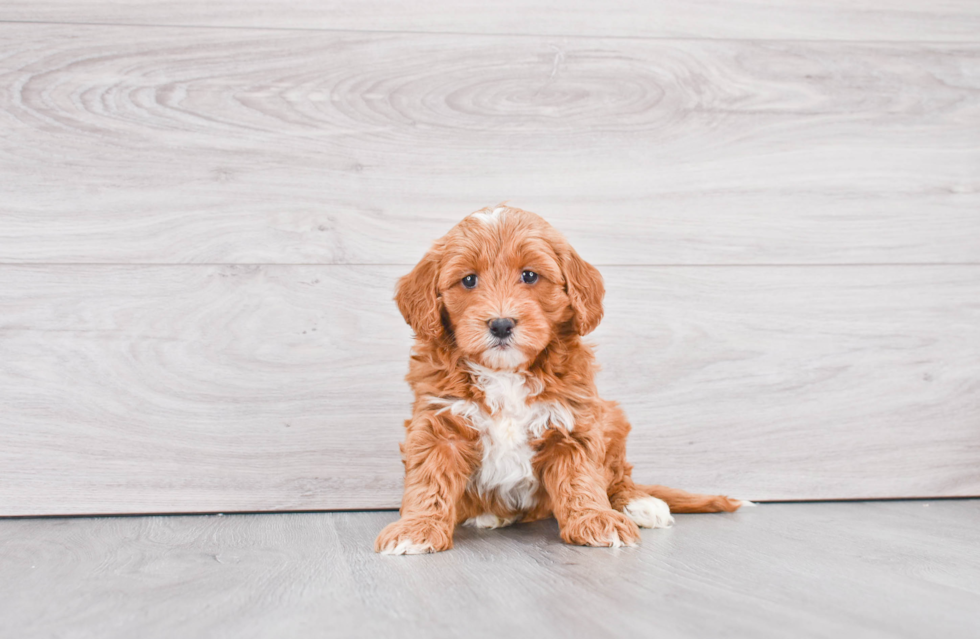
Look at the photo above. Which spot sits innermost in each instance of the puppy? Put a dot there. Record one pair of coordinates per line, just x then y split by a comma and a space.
507, 424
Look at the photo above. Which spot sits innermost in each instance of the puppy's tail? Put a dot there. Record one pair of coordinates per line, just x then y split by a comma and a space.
681, 501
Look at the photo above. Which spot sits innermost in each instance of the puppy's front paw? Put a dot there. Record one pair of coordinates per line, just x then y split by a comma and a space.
413, 536
600, 528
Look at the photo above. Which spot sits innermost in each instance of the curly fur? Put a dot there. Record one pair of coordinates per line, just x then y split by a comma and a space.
514, 429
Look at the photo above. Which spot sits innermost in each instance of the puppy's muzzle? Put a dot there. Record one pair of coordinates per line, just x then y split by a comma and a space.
501, 328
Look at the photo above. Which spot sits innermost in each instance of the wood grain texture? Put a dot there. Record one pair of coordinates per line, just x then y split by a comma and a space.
916, 20
163, 145
232, 388
892, 569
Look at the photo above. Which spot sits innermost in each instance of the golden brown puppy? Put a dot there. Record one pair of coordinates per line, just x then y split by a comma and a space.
507, 424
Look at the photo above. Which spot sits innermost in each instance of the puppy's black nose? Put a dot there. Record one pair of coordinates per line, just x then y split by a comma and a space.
501, 328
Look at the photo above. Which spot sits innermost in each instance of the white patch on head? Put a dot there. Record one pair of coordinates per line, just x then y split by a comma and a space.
489, 521
505, 432
491, 217
649, 512
406, 547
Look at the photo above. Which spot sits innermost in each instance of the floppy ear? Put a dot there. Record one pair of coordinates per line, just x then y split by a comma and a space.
583, 283
417, 296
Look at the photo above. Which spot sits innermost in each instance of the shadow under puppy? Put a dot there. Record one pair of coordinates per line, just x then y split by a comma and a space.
507, 424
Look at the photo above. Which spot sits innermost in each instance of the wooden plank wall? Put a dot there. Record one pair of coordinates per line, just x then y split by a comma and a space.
204, 208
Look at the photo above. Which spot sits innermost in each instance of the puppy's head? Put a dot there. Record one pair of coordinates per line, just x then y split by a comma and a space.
500, 286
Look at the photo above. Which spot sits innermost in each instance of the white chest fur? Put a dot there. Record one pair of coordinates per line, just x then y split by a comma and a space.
513, 420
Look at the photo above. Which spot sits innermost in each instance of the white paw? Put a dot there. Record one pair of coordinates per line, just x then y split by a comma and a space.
649, 512
488, 520
745, 503
406, 547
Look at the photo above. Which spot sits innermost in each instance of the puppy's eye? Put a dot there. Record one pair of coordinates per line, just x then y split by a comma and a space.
469, 281
529, 277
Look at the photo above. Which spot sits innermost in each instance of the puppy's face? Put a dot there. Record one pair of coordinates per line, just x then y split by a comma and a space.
501, 286
502, 289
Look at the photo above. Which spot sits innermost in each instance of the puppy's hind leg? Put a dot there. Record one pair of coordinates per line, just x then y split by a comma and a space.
649, 506
644, 509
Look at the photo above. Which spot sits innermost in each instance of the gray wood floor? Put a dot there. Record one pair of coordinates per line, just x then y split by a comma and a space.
851, 569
